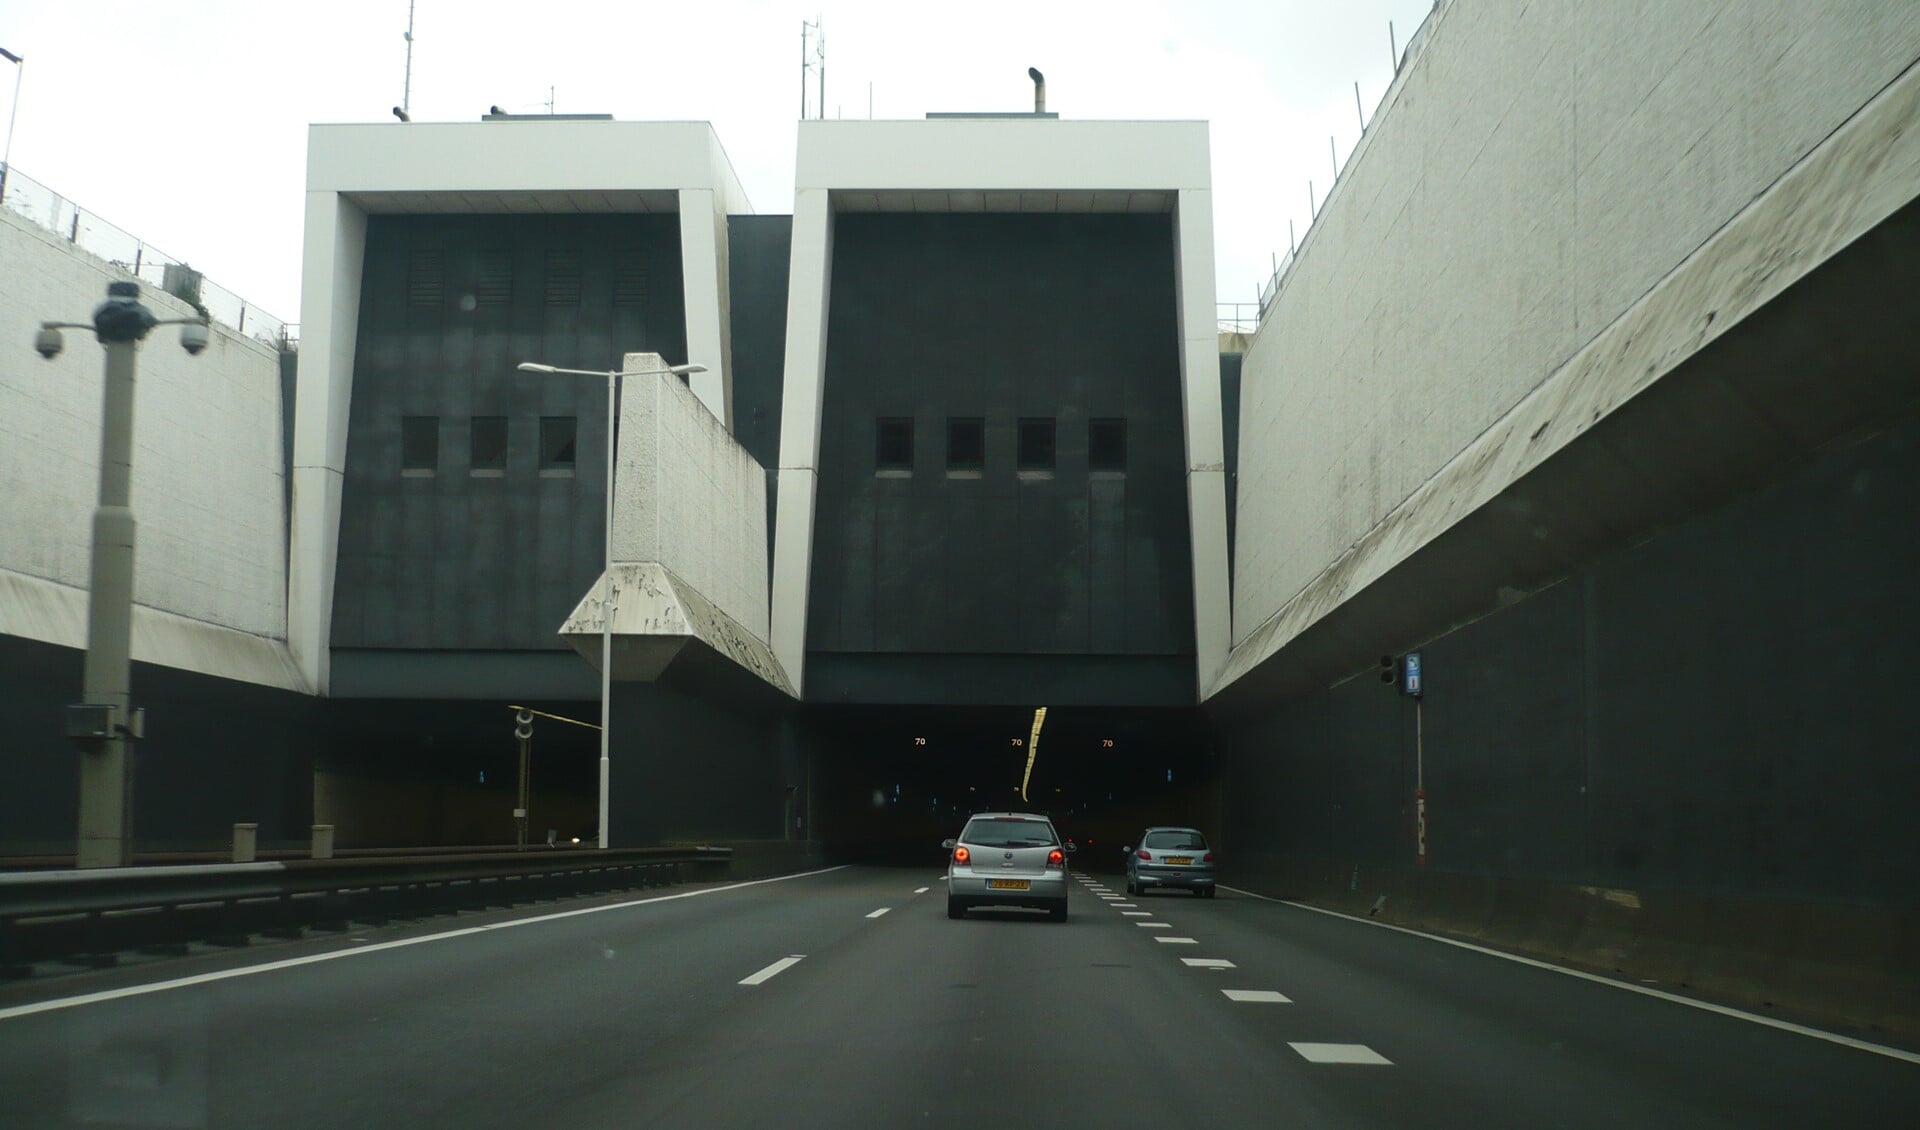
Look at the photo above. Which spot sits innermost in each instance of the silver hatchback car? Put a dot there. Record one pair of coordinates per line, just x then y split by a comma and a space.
1007, 859
1170, 857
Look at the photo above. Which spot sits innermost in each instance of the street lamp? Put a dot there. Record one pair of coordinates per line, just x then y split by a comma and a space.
606, 597
103, 724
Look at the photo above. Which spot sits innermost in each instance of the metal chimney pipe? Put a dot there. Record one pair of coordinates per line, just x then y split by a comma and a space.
1039, 90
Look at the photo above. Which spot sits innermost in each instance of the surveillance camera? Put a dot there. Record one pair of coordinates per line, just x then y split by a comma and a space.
193, 338
49, 342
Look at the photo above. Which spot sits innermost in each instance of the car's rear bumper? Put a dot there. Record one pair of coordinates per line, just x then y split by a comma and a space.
1173, 878
970, 889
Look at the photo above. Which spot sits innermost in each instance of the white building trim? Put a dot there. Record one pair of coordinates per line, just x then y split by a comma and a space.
528, 165
1000, 165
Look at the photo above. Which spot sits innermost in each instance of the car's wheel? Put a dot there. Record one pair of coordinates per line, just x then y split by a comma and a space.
1207, 891
1058, 913
956, 909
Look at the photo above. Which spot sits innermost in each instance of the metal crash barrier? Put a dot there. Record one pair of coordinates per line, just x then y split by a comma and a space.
91, 916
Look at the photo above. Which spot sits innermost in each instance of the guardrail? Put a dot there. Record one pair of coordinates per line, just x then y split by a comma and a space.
90, 917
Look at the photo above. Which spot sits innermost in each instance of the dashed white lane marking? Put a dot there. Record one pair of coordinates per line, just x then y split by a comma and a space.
1705, 1006
1136, 914
879, 912
1125, 905
377, 947
1154, 925
1209, 963
1341, 1053
774, 970
921, 890
1255, 996
1176, 941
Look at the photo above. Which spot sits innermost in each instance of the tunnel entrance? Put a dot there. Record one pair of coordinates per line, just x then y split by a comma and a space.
888, 783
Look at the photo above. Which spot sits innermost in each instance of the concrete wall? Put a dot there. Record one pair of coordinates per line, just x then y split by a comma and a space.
208, 474
688, 497
1534, 173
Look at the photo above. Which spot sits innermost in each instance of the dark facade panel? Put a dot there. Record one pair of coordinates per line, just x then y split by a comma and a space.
1719, 709
450, 305
758, 258
1049, 319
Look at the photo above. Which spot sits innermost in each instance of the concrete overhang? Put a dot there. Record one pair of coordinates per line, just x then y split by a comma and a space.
964, 157
658, 621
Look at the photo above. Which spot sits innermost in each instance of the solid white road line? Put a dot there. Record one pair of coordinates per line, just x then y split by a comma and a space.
879, 912
1255, 996
1705, 1006
921, 890
1340, 1053
774, 970
334, 955
1175, 941
1209, 963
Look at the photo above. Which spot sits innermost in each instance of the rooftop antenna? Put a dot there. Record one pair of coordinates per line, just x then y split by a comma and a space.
549, 101
820, 53
806, 62
406, 90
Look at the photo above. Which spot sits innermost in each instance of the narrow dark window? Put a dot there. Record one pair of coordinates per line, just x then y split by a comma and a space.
557, 445
966, 443
893, 444
563, 278
493, 282
489, 436
419, 445
629, 278
1107, 444
1036, 444
426, 278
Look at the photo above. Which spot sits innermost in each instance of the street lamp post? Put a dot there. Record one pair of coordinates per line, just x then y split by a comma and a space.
606, 576
103, 725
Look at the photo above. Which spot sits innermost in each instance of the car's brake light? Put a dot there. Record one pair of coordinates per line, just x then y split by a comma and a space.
962, 855
1056, 858
1207, 858
1143, 853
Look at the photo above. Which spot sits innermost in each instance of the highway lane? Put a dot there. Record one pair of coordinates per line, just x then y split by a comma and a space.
868, 1006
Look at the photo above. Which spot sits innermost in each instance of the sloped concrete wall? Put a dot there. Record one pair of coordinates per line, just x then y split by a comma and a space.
208, 473
1535, 173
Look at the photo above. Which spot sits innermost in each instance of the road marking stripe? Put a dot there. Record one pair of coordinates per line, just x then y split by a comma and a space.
879, 912
1255, 996
1209, 963
1340, 1053
774, 970
1154, 925
1124, 905
311, 959
1175, 941
1707, 1006
921, 890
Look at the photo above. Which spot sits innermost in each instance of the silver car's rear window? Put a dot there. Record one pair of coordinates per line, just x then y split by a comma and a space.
1175, 841
1010, 833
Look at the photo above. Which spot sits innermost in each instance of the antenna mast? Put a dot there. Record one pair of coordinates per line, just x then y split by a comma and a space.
406, 91
806, 61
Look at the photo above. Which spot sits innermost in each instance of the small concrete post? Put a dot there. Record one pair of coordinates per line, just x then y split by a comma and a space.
323, 841
245, 839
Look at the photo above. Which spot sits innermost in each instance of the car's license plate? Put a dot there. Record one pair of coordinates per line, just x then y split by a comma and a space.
1180, 860
1006, 884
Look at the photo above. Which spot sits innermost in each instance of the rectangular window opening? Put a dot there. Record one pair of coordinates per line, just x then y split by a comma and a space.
419, 445
557, 436
966, 444
1036, 444
893, 444
493, 281
629, 278
1107, 444
426, 278
563, 278
489, 440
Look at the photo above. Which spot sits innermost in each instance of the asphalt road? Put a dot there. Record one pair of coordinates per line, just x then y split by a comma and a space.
798, 1003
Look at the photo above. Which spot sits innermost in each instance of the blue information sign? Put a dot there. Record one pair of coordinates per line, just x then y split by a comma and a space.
1412, 684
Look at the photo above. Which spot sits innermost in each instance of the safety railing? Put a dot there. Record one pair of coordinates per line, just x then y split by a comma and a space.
90, 917
1237, 317
28, 198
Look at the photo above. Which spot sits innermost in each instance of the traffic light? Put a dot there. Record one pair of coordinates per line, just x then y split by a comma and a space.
1389, 670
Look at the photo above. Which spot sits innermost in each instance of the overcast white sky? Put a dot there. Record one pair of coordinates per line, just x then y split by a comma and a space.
185, 122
